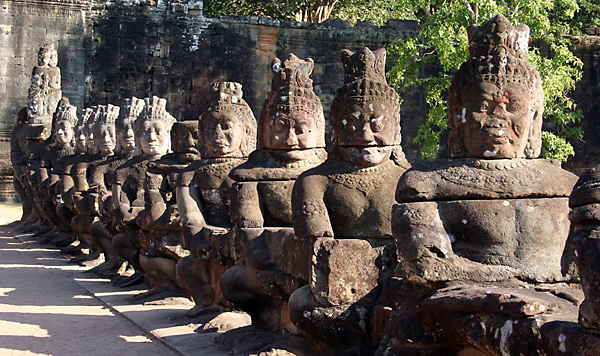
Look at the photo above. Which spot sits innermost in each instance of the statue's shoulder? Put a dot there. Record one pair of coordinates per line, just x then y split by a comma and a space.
472, 178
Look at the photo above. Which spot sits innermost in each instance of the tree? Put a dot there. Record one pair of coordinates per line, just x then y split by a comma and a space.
294, 10
442, 40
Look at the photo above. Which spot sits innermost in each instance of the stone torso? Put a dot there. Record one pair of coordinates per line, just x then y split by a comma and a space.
498, 212
211, 178
131, 177
358, 200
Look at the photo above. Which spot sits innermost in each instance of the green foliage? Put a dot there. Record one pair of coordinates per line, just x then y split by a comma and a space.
443, 40
556, 147
376, 11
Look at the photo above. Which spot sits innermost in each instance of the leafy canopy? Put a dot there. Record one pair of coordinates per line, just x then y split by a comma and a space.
443, 40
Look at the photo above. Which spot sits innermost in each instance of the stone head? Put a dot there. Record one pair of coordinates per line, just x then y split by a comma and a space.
496, 98
37, 133
47, 56
153, 127
127, 115
292, 120
104, 129
65, 119
365, 114
227, 126
184, 140
90, 115
80, 139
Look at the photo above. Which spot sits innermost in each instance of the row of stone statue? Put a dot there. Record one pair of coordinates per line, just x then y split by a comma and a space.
470, 256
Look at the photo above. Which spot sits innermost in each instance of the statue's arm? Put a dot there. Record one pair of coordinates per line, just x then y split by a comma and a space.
155, 201
245, 208
189, 204
309, 213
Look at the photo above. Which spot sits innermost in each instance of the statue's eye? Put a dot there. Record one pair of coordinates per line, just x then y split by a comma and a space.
301, 129
484, 106
513, 106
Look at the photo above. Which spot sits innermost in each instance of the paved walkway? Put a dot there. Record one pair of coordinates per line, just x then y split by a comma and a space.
50, 307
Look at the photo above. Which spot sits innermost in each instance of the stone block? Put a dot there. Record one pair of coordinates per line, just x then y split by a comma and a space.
344, 271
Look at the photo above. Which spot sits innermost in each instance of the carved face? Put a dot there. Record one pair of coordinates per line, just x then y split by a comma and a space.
106, 140
154, 138
221, 133
497, 121
127, 137
185, 139
63, 133
365, 133
295, 133
44, 58
80, 145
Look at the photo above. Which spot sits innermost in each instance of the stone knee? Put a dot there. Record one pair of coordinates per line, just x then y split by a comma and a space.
102, 237
123, 247
65, 214
194, 275
159, 268
243, 288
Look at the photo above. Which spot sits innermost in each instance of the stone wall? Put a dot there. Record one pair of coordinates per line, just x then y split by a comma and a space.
24, 27
171, 50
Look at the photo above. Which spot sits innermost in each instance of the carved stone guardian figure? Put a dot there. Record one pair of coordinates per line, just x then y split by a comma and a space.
152, 131
475, 235
103, 133
227, 132
102, 176
271, 261
48, 197
45, 91
344, 207
161, 224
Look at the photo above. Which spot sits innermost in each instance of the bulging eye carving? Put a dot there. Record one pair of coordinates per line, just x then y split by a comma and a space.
484, 106
376, 126
513, 106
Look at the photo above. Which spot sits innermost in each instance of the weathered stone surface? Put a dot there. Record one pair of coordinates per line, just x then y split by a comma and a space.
344, 271
482, 234
345, 206
585, 235
227, 134
271, 262
44, 92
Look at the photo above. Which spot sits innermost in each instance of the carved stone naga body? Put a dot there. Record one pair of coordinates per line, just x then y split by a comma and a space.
227, 132
271, 261
475, 235
344, 206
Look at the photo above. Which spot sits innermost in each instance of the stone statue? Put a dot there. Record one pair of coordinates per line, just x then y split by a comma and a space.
292, 140
227, 131
45, 91
161, 225
38, 137
344, 207
63, 124
102, 176
19, 155
66, 208
88, 183
497, 217
152, 130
